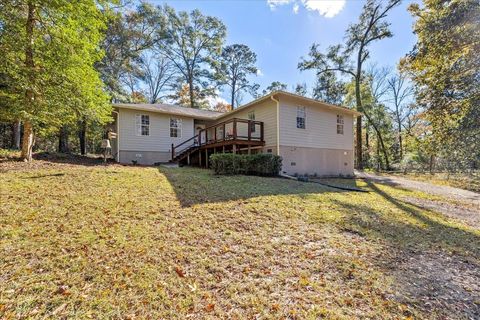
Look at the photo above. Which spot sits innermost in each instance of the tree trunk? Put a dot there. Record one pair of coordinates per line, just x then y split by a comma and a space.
17, 132
28, 134
28, 140
358, 98
82, 137
191, 92
63, 140
432, 163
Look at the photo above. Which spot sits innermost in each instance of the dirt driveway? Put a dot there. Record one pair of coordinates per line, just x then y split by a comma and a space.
465, 205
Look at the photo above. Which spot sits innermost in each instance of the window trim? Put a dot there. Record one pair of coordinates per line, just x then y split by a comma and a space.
301, 114
340, 124
139, 125
179, 123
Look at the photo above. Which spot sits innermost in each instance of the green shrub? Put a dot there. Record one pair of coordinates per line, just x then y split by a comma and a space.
257, 164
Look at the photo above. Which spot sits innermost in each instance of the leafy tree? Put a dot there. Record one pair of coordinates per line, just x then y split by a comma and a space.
274, 86
301, 89
129, 35
349, 59
182, 96
444, 66
158, 74
49, 51
237, 62
400, 92
192, 42
329, 88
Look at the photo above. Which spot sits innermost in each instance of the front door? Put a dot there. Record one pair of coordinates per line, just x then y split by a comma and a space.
199, 127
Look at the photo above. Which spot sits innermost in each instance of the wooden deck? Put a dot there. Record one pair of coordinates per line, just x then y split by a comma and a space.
234, 135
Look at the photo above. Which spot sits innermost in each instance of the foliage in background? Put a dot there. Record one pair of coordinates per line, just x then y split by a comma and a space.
49, 52
444, 65
237, 62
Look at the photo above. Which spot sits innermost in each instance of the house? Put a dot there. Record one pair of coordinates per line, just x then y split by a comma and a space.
312, 137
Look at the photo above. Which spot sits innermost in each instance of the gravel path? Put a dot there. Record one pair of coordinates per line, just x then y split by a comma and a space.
466, 196
466, 207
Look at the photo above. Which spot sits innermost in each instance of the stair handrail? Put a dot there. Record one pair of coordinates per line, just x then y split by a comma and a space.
175, 147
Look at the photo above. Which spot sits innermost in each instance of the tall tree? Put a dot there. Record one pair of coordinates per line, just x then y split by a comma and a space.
444, 65
301, 89
237, 62
349, 59
158, 74
401, 93
49, 51
129, 35
275, 86
329, 88
192, 42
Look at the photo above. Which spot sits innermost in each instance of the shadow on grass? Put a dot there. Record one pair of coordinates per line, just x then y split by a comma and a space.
46, 176
426, 233
197, 186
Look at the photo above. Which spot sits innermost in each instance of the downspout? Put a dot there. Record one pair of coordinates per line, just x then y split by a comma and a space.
118, 135
278, 123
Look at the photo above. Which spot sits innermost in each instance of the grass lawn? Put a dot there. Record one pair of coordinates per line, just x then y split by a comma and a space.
89, 241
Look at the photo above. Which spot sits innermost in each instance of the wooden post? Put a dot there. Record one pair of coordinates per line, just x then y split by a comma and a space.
200, 158
223, 149
249, 151
206, 158
188, 158
173, 151
215, 138
234, 148
224, 133
261, 131
234, 129
250, 130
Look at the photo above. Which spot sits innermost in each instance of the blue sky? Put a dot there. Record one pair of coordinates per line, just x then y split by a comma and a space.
281, 33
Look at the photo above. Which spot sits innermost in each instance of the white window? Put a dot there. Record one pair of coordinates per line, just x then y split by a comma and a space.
339, 124
301, 117
251, 116
175, 128
142, 124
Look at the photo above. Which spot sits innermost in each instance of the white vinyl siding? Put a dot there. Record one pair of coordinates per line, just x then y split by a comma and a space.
267, 113
159, 132
320, 127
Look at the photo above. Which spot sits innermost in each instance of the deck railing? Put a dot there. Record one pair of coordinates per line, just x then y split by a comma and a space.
234, 129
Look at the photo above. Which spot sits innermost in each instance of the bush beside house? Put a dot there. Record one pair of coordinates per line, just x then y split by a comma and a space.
257, 164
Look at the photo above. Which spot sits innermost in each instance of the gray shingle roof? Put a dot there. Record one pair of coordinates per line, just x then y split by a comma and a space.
171, 109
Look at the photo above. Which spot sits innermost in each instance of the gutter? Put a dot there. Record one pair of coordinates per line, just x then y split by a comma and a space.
278, 123
118, 134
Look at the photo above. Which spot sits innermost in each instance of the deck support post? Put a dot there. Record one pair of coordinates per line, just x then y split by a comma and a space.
249, 150
206, 158
188, 159
223, 149
200, 158
234, 148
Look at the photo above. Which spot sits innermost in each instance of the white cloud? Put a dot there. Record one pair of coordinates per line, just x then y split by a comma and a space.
274, 3
295, 8
259, 73
216, 99
326, 8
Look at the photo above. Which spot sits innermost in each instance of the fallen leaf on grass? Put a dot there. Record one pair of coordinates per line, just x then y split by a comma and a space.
180, 272
210, 307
